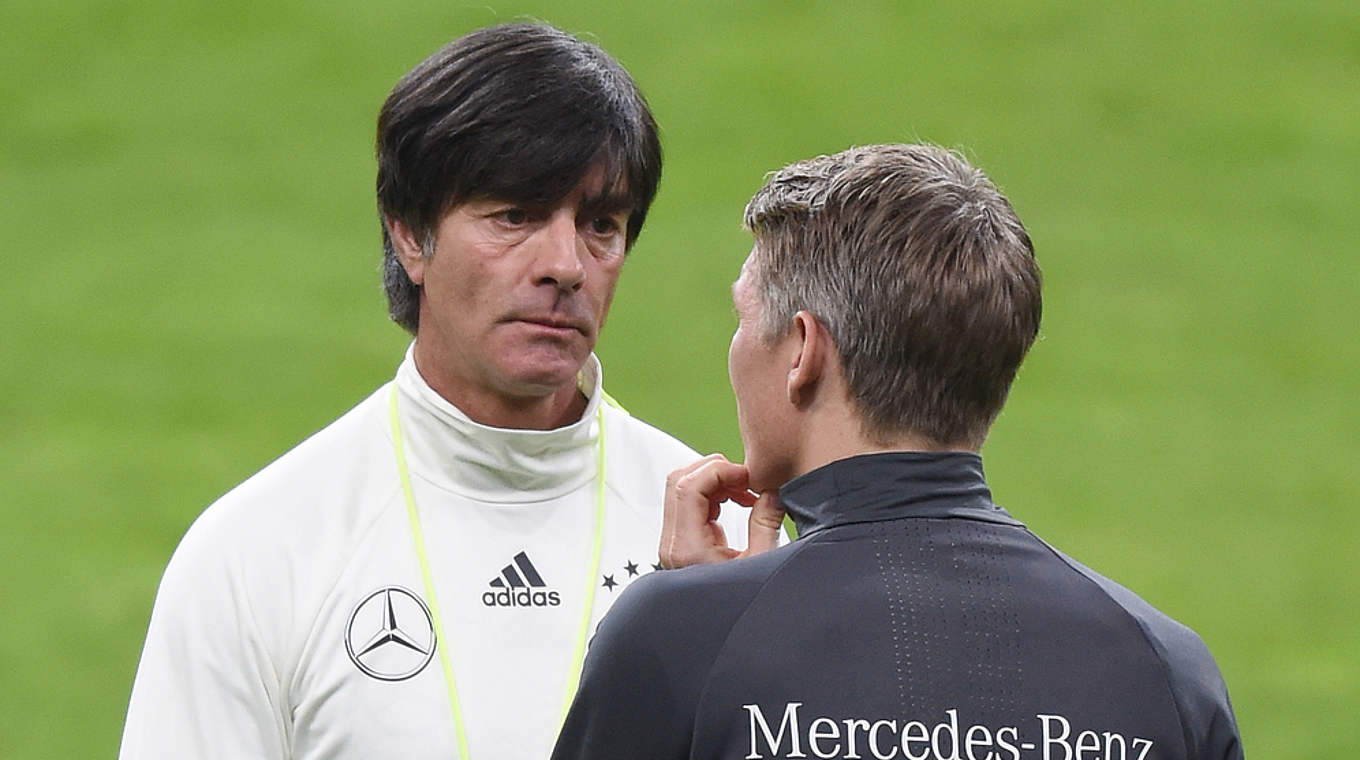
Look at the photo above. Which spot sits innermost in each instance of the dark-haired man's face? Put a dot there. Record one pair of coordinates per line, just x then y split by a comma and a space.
514, 297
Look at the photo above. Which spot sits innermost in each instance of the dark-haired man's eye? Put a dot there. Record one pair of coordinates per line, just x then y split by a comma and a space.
515, 216
604, 225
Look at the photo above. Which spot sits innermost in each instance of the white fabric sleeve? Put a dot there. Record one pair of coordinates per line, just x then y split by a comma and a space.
206, 686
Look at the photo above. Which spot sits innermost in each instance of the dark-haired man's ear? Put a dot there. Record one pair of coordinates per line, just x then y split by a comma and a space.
809, 343
408, 250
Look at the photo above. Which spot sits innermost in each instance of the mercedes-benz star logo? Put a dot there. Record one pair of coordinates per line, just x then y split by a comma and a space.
390, 635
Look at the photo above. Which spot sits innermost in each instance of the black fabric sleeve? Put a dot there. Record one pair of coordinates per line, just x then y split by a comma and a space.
633, 701
1201, 695
651, 657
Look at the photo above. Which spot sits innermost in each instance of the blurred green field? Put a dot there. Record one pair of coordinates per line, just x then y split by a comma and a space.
190, 249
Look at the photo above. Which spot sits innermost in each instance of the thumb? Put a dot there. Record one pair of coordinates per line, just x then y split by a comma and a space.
763, 524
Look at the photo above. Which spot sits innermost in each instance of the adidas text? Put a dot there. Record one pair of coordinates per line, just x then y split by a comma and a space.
521, 597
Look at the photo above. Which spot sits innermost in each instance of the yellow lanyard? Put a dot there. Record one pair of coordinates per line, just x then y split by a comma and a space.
445, 660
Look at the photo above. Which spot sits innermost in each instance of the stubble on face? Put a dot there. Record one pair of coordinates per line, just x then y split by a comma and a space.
756, 371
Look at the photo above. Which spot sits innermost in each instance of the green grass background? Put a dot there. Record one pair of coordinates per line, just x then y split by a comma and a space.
189, 287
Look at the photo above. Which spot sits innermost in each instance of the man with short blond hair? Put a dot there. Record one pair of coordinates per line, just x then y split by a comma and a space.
889, 300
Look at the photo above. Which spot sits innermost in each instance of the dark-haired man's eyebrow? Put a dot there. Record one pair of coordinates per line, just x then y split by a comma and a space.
607, 204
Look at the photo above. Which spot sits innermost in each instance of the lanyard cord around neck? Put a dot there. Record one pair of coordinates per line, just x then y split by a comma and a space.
441, 641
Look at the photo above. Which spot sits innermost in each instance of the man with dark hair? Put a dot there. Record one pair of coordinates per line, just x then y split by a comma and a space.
889, 300
419, 578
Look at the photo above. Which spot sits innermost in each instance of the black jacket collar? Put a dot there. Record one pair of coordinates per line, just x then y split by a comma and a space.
890, 486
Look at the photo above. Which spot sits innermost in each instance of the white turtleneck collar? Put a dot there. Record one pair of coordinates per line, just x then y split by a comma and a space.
490, 464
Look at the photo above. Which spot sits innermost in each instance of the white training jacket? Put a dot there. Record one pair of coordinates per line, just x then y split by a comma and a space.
292, 621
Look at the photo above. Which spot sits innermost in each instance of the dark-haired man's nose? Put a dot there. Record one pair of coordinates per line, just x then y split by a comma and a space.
558, 255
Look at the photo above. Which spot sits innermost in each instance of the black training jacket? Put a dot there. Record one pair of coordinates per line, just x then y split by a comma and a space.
913, 619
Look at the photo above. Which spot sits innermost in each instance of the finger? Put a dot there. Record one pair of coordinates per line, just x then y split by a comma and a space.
763, 524
696, 464
697, 492
679, 543
718, 537
694, 494
672, 513
743, 497
720, 479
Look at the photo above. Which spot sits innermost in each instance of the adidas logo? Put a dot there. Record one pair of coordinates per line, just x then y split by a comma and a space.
520, 585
